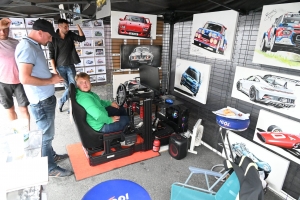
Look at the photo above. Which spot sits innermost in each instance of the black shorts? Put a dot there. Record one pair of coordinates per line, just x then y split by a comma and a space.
6, 95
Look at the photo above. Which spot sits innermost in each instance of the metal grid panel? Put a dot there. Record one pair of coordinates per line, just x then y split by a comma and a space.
221, 81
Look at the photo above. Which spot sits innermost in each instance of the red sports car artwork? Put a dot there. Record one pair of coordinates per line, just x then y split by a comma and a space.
276, 137
135, 26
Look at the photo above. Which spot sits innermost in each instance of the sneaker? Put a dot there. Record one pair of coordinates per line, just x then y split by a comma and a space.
60, 105
58, 158
60, 172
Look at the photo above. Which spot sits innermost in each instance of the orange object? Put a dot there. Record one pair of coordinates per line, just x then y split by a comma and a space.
83, 170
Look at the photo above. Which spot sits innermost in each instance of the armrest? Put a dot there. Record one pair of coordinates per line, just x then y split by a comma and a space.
196, 170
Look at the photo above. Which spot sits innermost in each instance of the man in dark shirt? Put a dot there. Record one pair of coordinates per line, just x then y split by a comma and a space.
63, 56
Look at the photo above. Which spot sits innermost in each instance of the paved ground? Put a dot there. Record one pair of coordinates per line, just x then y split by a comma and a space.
155, 175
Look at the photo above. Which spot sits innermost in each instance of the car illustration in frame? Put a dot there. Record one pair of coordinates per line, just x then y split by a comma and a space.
191, 79
269, 89
283, 35
276, 137
211, 36
135, 26
140, 55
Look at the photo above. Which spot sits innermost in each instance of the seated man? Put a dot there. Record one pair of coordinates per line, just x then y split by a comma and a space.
103, 116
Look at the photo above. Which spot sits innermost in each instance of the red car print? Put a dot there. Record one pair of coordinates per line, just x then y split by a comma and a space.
135, 26
276, 137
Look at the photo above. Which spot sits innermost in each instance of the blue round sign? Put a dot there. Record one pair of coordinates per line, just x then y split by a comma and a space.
117, 189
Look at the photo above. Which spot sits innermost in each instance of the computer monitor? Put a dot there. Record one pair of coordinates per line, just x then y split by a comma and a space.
149, 77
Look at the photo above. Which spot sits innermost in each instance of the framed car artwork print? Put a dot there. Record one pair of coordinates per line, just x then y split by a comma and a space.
87, 43
98, 23
90, 70
271, 90
100, 69
213, 34
18, 34
101, 78
278, 36
17, 23
132, 56
279, 134
127, 25
99, 32
93, 78
100, 60
192, 79
99, 52
29, 22
99, 42
79, 52
79, 69
88, 52
88, 61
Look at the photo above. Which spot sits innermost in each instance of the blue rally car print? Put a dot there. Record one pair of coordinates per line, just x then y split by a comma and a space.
212, 36
283, 35
191, 79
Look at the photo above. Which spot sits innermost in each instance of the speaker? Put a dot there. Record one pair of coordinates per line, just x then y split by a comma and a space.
178, 146
178, 118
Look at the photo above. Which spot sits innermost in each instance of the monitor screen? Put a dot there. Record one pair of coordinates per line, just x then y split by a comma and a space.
149, 77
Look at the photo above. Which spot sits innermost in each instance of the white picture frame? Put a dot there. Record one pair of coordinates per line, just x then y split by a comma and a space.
87, 32
98, 23
142, 21
17, 23
99, 32
89, 61
100, 69
18, 34
219, 26
101, 78
267, 89
29, 22
87, 43
100, 60
93, 78
90, 70
88, 52
99, 42
79, 52
99, 52
79, 70
194, 71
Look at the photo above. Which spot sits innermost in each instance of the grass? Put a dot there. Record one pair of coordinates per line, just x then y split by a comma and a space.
279, 58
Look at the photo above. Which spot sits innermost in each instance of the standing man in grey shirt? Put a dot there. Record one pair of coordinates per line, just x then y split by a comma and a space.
63, 56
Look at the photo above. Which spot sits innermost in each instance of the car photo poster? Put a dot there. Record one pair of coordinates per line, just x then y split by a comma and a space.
192, 79
213, 34
278, 39
275, 91
125, 25
273, 168
279, 134
132, 56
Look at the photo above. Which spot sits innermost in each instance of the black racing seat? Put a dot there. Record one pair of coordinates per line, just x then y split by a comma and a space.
92, 141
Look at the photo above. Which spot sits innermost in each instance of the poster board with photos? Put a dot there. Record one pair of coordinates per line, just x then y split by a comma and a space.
276, 40
17, 23
133, 56
139, 21
92, 50
271, 90
213, 34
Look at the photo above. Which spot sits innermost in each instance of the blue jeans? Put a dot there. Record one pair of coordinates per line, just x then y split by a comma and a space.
44, 115
116, 126
68, 73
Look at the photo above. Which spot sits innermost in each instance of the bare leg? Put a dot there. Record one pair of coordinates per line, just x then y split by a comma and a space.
25, 114
11, 113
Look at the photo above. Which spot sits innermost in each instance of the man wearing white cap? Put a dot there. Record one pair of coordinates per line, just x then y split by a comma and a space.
9, 75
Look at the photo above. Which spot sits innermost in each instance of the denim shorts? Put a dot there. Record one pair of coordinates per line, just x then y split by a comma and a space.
6, 95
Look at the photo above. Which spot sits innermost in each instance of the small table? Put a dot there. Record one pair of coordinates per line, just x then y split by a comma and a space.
117, 189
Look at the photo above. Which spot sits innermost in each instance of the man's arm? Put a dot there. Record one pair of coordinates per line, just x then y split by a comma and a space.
25, 77
52, 62
80, 37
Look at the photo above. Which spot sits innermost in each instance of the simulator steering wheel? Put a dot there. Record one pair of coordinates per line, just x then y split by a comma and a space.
121, 94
